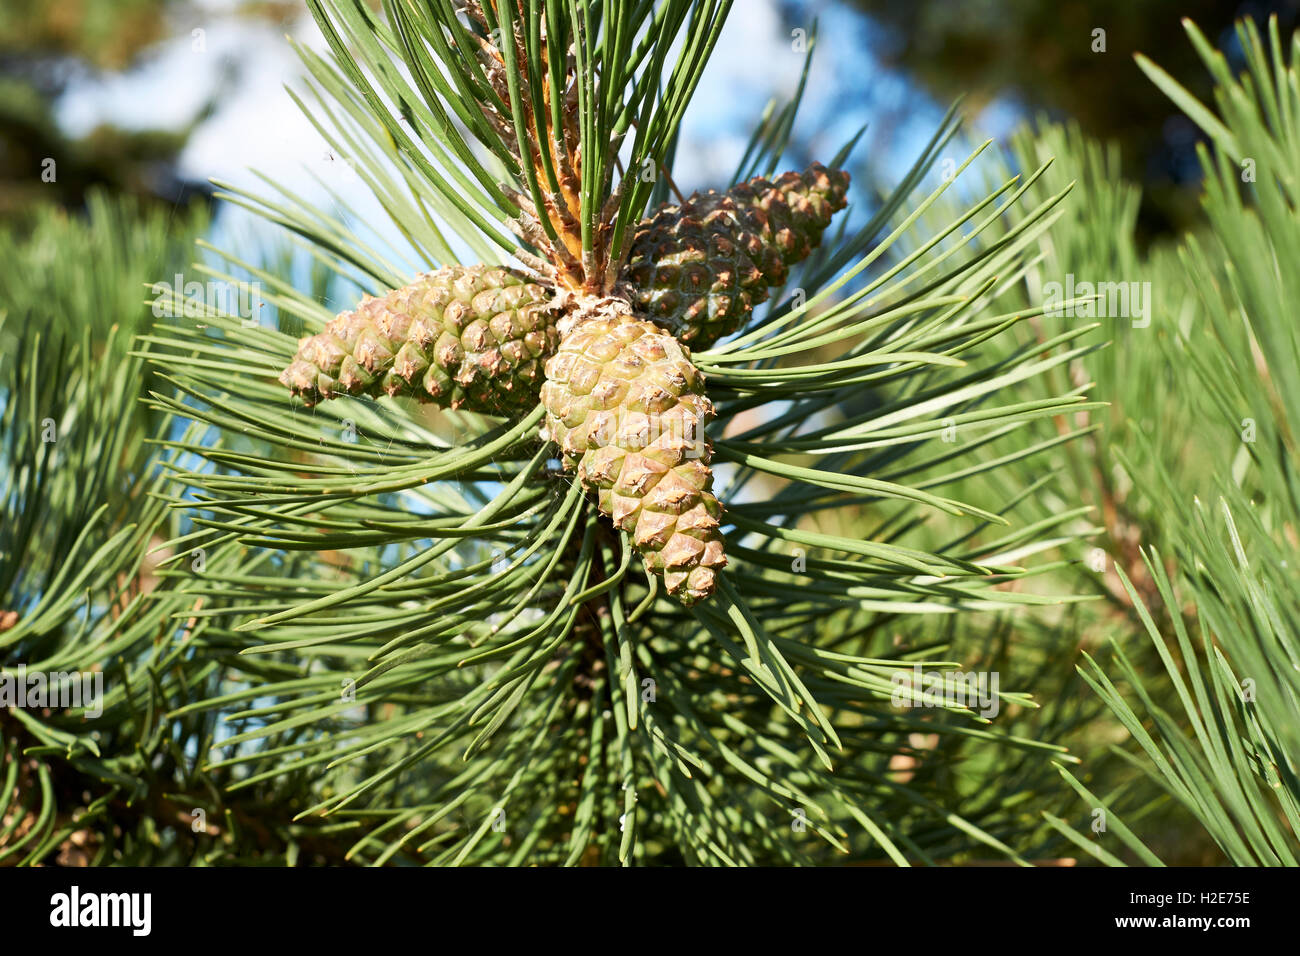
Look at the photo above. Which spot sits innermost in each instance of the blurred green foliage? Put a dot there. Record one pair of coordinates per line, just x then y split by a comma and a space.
1041, 56
1193, 475
45, 47
106, 35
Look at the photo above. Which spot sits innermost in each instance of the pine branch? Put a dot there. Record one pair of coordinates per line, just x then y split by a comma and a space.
544, 697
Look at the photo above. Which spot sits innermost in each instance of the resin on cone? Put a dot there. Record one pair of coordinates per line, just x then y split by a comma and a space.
699, 269
627, 408
473, 337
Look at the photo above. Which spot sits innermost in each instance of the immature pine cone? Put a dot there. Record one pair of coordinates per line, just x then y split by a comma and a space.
464, 336
628, 410
699, 269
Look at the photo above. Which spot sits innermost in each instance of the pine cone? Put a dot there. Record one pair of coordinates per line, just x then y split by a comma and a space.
464, 336
628, 410
699, 269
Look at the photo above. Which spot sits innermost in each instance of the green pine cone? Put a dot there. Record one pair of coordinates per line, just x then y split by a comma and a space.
472, 337
628, 410
699, 269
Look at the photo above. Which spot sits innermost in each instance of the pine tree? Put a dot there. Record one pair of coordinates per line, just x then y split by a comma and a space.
569, 634
648, 529
459, 614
